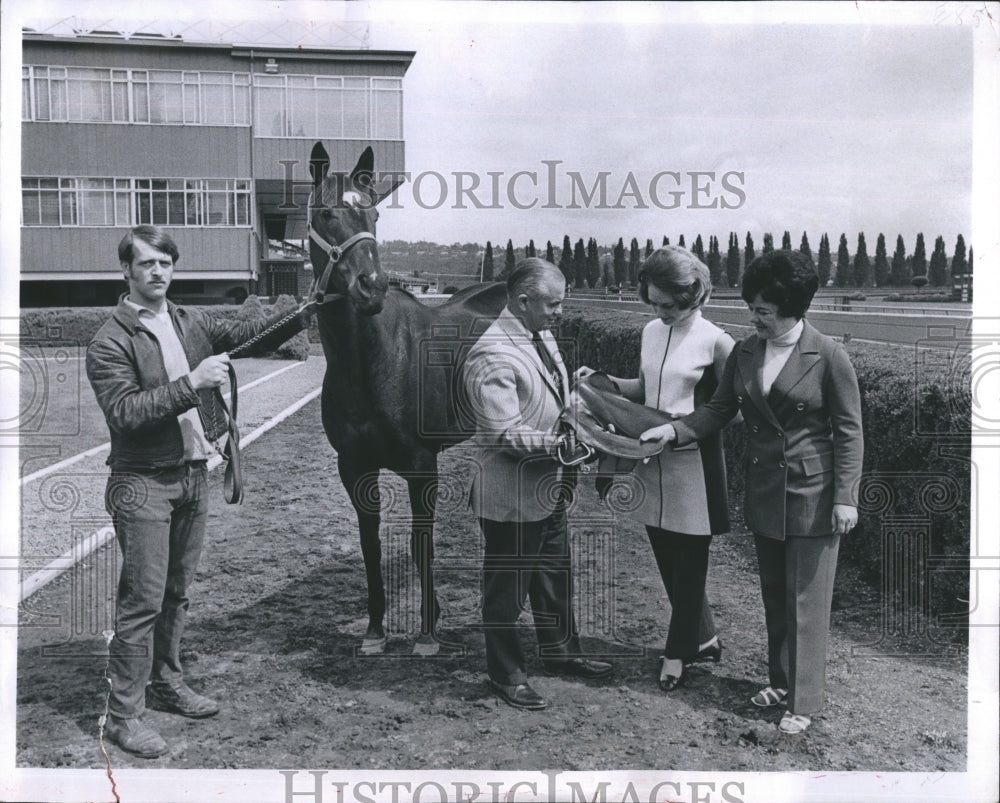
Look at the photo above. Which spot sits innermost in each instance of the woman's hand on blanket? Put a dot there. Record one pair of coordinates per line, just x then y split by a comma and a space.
582, 373
662, 434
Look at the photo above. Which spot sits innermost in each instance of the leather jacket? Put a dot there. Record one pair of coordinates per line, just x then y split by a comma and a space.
125, 368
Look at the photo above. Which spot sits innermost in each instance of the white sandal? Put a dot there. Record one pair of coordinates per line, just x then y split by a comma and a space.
768, 697
793, 723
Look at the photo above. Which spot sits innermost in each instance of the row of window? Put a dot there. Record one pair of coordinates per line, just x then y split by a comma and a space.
132, 201
286, 105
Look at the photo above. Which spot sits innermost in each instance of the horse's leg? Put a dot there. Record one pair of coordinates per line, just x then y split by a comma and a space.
423, 500
362, 487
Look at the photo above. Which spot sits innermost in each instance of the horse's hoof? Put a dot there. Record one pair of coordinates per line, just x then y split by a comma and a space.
426, 646
373, 645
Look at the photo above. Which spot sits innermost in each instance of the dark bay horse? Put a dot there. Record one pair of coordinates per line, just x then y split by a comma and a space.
391, 395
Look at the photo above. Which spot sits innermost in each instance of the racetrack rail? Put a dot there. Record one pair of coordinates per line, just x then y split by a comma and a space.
98, 538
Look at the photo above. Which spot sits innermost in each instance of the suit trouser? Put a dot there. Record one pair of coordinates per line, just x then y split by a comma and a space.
796, 582
527, 559
159, 518
683, 563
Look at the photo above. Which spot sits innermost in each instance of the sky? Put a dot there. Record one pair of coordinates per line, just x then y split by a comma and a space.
821, 128
698, 118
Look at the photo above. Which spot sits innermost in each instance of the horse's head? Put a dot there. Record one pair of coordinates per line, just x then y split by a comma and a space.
342, 242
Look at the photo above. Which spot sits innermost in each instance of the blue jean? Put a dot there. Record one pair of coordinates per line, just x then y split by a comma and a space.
159, 518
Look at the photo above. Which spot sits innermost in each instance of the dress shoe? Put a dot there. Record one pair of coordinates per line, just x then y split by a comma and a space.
712, 653
179, 698
668, 679
580, 668
134, 736
519, 696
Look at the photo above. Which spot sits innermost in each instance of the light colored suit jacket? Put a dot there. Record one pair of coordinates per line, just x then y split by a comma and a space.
804, 441
516, 404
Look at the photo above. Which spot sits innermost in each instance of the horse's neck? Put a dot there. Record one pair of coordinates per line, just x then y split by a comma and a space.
357, 348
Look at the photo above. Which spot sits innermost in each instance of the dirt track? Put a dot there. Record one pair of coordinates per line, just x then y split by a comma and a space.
278, 613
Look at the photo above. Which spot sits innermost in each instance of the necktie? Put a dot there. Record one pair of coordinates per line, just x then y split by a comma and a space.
547, 361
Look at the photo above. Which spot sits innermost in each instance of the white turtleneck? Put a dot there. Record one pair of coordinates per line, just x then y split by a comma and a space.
776, 354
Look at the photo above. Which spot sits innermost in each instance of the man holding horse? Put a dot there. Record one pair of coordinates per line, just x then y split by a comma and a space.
517, 385
156, 369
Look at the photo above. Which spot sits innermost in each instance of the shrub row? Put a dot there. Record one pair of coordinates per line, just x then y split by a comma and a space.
915, 491
61, 326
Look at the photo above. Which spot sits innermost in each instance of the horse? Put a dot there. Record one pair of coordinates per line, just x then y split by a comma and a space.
385, 405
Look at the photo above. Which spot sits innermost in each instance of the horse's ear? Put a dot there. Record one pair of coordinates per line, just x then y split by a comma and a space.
363, 174
319, 163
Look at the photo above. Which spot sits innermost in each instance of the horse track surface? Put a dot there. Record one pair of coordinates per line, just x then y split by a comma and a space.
279, 610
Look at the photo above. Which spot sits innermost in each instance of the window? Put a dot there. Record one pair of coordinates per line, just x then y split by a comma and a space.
99, 95
129, 202
327, 106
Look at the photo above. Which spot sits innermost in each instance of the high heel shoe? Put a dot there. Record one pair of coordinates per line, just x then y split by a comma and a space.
712, 653
668, 680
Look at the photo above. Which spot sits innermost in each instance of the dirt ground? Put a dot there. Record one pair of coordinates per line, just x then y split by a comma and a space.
279, 610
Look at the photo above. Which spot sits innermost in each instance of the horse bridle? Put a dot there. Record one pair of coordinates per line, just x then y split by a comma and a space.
334, 253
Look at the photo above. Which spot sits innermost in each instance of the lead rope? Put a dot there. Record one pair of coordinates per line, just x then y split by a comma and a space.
233, 482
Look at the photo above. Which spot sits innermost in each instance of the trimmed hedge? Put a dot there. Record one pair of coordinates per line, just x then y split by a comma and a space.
915, 490
61, 326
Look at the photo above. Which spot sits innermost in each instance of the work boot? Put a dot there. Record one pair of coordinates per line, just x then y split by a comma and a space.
179, 698
134, 736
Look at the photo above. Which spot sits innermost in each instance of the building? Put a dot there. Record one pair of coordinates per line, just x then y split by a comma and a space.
210, 140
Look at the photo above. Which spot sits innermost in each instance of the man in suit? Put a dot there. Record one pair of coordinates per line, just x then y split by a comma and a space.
517, 385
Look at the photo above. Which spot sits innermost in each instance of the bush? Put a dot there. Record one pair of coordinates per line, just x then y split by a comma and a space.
910, 298
62, 326
917, 477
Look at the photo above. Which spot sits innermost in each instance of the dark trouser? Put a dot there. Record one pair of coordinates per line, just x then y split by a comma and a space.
683, 563
527, 559
796, 582
159, 519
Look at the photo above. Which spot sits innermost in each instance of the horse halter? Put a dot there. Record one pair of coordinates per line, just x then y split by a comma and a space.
334, 253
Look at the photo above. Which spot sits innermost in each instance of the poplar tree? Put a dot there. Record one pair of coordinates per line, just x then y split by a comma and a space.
633, 263
530, 251
748, 253
898, 273
768, 243
621, 268
881, 262
843, 263
959, 266
862, 267
566, 260
680, 242
919, 265
804, 247
649, 247
666, 240
698, 249
786, 241
733, 260
549, 253
937, 274
825, 263
509, 260
714, 260
593, 263
580, 264
488, 263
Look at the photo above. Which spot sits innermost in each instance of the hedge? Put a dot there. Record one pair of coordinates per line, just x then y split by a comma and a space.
60, 326
916, 421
